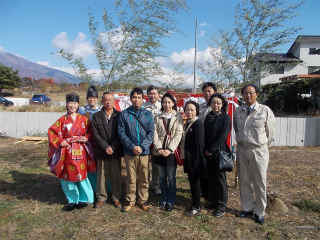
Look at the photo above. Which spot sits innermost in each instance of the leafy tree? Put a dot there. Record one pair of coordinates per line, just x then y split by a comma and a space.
219, 70
176, 77
126, 48
290, 96
259, 28
9, 78
28, 82
79, 67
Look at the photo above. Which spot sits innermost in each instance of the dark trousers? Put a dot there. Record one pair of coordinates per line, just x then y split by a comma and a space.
194, 180
204, 187
217, 185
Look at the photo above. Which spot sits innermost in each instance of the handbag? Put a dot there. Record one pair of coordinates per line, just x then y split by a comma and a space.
226, 161
177, 152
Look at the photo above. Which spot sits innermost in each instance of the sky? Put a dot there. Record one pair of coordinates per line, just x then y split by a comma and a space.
33, 29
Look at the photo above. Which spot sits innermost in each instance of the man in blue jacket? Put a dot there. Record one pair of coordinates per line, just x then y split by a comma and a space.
136, 129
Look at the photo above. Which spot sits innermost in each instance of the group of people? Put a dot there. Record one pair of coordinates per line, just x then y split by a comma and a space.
86, 155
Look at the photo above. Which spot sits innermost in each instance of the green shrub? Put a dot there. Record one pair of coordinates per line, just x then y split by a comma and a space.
310, 205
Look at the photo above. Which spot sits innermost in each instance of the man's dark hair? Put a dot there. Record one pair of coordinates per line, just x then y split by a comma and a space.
106, 93
250, 85
224, 101
195, 104
169, 95
152, 88
209, 84
136, 90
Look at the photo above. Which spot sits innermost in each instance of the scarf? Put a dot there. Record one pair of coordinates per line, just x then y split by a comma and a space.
184, 134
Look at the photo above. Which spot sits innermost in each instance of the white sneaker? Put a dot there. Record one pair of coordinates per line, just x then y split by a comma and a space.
157, 190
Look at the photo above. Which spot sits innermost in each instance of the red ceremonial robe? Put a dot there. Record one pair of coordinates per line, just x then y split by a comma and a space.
71, 163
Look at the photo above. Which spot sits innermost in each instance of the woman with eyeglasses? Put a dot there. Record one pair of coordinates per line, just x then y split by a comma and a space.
192, 146
217, 126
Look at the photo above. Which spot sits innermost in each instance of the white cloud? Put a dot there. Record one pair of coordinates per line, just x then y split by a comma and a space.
96, 72
44, 63
188, 57
202, 24
202, 33
80, 46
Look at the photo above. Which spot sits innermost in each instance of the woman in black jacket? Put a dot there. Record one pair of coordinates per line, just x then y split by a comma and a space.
217, 126
192, 149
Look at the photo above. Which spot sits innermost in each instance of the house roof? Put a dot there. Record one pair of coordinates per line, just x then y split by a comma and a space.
299, 77
304, 38
276, 57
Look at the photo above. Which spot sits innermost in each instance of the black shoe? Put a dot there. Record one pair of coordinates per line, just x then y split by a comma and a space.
219, 213
259, 219
81, 205
162, 206
69, 207
244, 214
210, 206
192, 212
169, 207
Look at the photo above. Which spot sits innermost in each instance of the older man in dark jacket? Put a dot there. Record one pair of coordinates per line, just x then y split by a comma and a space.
108, 151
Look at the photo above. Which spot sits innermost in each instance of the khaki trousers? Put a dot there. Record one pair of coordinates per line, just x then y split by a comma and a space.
137, 170
252, 165
109, 168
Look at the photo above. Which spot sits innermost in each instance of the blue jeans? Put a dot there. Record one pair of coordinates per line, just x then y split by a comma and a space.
168, 193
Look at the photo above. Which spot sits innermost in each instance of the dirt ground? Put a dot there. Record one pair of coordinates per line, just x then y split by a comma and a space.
31, 201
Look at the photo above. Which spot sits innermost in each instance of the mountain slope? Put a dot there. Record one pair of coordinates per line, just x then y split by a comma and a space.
34, 70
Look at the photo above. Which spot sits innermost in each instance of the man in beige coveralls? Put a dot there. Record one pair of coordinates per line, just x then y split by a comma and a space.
254, 126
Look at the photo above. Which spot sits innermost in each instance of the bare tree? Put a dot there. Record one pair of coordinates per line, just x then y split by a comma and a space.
126, 48
259, 29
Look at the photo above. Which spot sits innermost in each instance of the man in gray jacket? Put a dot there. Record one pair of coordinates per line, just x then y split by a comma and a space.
154, 106
254, 125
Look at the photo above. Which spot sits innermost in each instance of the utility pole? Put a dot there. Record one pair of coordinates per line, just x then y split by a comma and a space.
195, 61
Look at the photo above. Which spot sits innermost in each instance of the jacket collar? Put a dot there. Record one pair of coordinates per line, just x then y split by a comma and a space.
256, 107
162, 114
113, 114
132, 110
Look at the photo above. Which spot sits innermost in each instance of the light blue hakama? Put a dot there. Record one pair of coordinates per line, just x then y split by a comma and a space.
93, 180
78, 191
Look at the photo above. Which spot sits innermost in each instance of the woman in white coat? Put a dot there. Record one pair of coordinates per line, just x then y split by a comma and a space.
167, 136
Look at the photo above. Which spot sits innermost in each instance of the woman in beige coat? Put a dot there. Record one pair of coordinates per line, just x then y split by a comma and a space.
167, 136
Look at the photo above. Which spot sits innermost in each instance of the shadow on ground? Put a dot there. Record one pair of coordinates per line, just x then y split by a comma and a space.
41, 187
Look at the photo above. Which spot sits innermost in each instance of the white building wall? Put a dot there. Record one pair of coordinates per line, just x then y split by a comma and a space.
302, 52
288, 71
309, 59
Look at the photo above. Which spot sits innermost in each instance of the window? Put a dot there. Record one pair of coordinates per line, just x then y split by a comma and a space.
280, 70
312, 69
314, 50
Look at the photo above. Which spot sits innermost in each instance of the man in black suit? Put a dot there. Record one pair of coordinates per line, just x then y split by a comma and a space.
108, 151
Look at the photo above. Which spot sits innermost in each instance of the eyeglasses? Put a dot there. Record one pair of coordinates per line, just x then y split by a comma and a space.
216, 103
249, 93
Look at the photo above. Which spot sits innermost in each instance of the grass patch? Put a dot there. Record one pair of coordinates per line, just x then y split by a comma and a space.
182, 180
308, 205
31, 201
